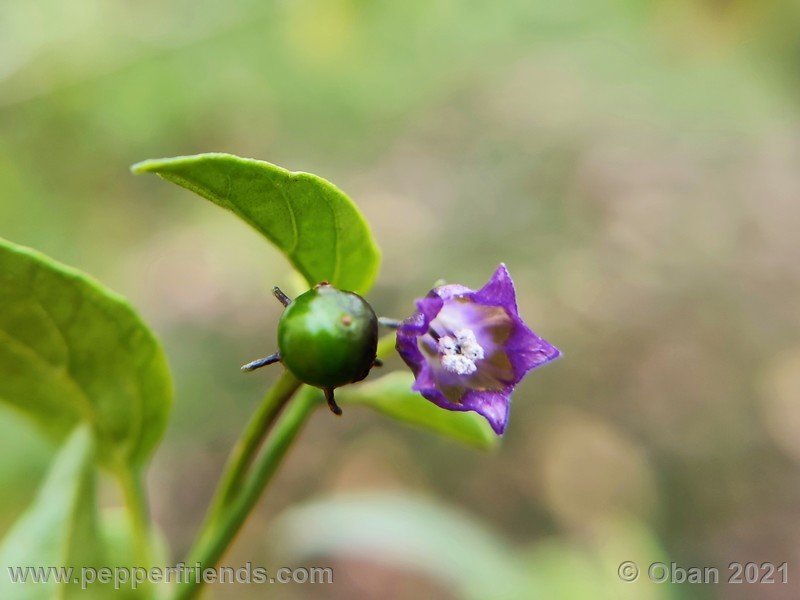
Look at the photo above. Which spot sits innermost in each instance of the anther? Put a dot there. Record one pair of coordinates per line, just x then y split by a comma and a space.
459, 354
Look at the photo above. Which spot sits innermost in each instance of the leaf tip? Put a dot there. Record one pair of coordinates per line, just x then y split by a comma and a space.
144, 166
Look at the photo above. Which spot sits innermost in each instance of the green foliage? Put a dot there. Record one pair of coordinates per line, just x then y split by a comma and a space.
318, 228
76, 358
392, 395
416, 533
119, 543
72, 352
469, 559
60, 528
325, 237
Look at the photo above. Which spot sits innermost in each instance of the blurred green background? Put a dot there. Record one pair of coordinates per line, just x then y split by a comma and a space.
635, 163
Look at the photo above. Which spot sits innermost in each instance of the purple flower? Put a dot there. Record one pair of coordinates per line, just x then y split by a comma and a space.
469, 349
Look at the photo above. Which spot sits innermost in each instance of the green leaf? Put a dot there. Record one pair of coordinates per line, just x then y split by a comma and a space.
317, 227
120, 540
469, 559
417, 534
392, 395
72, 351
60, 529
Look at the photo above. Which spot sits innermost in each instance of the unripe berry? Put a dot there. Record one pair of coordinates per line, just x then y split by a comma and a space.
328, 337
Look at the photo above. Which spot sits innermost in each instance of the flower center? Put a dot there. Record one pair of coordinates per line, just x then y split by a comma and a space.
459, 354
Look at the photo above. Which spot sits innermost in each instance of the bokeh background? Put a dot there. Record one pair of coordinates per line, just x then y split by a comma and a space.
634, 162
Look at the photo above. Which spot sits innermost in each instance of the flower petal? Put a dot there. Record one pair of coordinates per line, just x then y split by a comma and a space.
445, 292
508, 347
406, 341
527, 351
429, 307
427, 385
499, 291
493, 406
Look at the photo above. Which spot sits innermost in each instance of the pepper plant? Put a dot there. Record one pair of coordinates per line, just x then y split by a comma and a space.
78, 361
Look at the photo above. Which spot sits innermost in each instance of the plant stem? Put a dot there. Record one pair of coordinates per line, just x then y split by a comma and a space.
247, 472
136, 503
389, 322
221, 530
248, 444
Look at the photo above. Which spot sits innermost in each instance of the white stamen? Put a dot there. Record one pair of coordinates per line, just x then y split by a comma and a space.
459, 355
447, 345
473, 352
465, 336
458, 364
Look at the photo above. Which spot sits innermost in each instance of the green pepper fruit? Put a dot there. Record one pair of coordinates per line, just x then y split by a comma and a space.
328, 337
